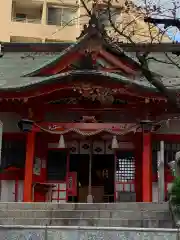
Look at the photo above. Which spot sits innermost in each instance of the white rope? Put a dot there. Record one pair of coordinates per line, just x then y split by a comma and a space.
92, 133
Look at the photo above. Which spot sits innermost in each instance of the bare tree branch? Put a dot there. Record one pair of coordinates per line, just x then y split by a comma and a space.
143, 61
85, 7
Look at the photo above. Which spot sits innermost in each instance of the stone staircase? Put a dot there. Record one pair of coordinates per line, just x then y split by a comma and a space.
105, 215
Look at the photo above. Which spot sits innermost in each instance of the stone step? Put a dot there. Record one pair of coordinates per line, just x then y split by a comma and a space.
85, 206
89, 222
123, 214
111, 215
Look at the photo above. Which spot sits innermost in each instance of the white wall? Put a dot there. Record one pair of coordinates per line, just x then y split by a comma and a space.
155, 194
20, 190
7, 190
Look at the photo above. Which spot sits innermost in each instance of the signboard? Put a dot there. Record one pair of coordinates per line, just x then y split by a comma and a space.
37, 166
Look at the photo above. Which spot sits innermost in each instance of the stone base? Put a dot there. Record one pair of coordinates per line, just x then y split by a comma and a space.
89, 199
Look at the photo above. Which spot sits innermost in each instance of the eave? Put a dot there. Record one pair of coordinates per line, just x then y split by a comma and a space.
45, 84
58, 47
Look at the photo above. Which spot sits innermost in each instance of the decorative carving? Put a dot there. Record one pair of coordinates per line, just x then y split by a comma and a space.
84, 147
95, 93
92, 47
98, 147
89, 119
68, 100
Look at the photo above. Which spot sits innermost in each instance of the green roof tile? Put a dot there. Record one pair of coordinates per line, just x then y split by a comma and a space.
14, 65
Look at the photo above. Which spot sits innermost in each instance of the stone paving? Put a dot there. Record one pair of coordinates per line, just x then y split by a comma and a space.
55, 234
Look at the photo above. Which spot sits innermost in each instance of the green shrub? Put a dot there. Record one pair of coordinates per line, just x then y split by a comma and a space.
175, 193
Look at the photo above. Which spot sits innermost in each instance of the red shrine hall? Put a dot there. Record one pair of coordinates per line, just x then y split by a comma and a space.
80, 123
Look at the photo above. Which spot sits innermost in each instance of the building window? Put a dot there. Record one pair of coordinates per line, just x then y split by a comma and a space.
104, 16
21, 17
62, 16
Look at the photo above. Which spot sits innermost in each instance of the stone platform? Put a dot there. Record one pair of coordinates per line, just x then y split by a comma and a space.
69, 214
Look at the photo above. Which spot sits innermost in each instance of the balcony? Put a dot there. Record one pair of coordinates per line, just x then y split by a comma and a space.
28, 21
34, 29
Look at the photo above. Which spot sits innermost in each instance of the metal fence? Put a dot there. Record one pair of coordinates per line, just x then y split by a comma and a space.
85, 233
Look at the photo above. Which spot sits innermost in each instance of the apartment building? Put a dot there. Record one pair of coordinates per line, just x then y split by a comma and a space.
39, 20
54, 20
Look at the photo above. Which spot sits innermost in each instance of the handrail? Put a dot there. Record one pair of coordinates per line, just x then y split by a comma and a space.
135, 229
26, 20
38, 21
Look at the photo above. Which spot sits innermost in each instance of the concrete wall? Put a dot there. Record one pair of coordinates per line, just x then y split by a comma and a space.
5, 20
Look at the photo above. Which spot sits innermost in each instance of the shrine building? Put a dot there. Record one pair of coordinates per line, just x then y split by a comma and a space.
80, 123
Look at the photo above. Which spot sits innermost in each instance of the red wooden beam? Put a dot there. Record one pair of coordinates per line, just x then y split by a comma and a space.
39, 109
19, 106
166, 137
118, 63
131, 110
66, 60
124, 93
39, 91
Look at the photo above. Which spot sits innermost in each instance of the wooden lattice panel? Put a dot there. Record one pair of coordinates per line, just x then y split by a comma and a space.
125, 169
125, 174
59, 194
125, 187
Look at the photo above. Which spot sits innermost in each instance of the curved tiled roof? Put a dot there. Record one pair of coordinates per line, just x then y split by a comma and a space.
15, 65
50, 62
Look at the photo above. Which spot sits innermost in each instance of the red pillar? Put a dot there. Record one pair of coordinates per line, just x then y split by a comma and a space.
28, 173
138, 166
147, 168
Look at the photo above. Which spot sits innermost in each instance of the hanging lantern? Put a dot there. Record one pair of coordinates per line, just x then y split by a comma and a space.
115, 144
61, 143
146, 125
25, 125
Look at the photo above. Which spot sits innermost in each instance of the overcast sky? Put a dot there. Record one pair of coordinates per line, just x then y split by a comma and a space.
166, 7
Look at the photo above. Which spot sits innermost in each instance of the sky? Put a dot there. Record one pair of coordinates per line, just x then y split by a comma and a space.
172, 32
174, 37
167, 7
